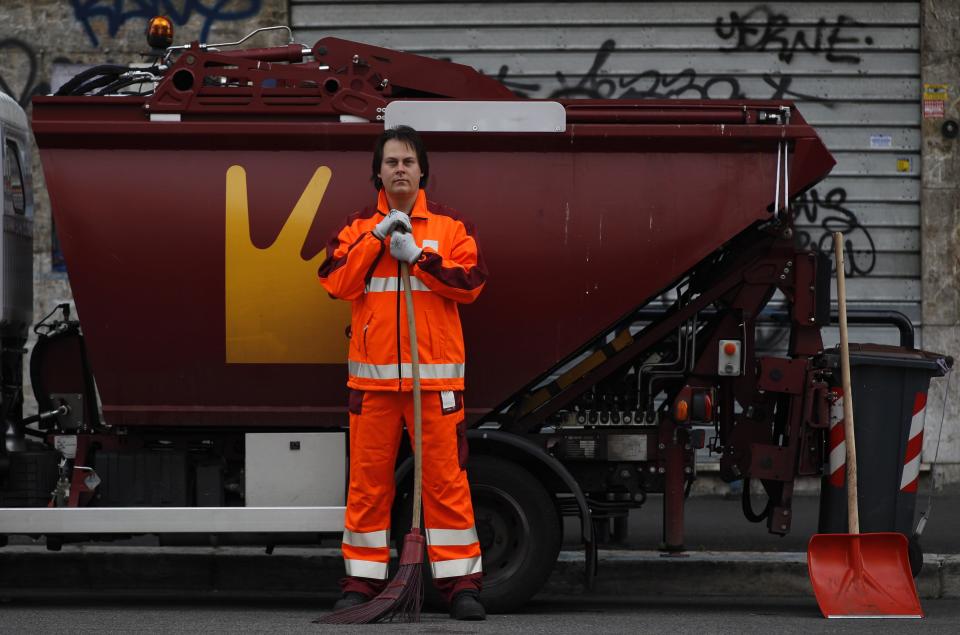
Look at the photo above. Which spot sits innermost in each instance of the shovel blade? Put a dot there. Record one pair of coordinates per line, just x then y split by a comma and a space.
862, 575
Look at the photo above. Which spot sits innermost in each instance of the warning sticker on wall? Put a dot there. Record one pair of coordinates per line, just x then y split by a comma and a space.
934, 101
880, 141
933, 109
904, 164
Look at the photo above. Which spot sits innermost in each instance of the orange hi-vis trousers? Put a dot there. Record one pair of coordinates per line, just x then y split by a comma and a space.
376, 424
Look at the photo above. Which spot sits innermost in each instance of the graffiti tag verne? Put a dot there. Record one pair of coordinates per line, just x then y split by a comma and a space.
773, 32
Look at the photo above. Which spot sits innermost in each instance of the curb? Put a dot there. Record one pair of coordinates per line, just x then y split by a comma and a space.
720, 573
77, 570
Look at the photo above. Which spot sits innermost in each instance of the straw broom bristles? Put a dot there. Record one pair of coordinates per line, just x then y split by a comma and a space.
401, 600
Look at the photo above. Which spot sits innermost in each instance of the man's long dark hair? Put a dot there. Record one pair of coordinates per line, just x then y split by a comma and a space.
409, 136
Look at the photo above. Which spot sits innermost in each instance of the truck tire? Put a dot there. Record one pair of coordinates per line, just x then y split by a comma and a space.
519, 531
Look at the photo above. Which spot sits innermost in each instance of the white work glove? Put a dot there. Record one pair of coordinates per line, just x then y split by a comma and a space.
394, 221
404, 248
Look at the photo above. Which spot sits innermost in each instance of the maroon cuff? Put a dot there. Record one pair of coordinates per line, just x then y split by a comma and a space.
450, 587
365, 586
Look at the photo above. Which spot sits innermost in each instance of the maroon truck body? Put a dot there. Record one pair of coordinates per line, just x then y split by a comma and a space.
578, 229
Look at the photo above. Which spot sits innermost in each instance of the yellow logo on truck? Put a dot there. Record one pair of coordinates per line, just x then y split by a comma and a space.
276, 310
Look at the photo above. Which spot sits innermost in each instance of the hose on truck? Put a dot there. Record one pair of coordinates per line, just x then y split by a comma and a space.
95, 77
748, 508
108, 78
123, 82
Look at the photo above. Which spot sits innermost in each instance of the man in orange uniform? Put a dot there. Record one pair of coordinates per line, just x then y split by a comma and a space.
363, 266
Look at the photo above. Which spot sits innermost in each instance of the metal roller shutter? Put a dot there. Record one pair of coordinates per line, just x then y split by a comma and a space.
852, 67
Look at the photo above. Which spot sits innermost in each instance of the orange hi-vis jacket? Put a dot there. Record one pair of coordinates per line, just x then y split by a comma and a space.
450, 270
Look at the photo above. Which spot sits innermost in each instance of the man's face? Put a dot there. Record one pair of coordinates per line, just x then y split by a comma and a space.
400, 170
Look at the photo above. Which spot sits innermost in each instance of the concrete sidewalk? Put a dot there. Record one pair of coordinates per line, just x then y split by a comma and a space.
727, 556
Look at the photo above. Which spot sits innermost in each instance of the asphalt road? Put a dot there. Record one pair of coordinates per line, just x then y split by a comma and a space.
691, 614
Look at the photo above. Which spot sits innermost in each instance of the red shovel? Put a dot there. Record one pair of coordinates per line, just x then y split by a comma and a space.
858, 575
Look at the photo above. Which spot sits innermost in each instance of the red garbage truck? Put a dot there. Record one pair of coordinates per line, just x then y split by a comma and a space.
633, 248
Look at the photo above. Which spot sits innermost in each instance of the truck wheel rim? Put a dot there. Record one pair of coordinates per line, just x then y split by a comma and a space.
503, 530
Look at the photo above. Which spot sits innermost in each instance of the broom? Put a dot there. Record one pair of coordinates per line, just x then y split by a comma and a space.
403, 597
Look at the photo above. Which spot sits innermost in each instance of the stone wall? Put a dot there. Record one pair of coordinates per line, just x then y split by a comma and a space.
940, 211
44, 42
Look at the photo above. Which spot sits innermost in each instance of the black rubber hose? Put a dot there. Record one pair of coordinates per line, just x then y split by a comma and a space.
34, 433
69, 88
748, 509
120, 83
99, 82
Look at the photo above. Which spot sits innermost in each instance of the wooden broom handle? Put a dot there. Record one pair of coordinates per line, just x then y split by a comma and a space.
853, 515
417, 404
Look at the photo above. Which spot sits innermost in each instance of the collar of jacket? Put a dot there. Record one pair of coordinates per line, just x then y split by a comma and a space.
419, 206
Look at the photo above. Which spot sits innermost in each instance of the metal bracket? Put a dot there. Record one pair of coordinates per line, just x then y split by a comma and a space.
72, 419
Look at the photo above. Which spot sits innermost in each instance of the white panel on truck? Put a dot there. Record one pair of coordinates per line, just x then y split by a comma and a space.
295, 469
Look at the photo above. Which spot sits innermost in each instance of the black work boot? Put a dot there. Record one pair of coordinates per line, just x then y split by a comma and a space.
348, 599
466, 606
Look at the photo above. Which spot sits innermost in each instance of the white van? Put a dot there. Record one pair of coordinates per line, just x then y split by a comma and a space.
16, 248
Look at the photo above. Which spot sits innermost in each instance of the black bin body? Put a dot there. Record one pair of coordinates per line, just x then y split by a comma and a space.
889, 386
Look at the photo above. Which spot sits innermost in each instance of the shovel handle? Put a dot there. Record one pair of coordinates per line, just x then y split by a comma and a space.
417, 404
853, 515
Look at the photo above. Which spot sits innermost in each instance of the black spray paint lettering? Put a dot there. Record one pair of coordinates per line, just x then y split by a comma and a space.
591, 85
781, 89
760, 29
8, 52
831, 214
684, 85
652, 84
646, 85
522, 89
119, 12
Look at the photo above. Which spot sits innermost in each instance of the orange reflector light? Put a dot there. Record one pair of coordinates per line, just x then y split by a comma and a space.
160, 32
729, 348
682, 410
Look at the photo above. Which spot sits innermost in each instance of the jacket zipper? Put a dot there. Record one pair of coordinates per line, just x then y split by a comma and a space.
399, 350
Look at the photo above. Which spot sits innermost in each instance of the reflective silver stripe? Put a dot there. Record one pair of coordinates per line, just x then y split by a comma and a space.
366, 569
451, 568
372, 371
366, 539
435, 371
382, 285
451, 537
389, 371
